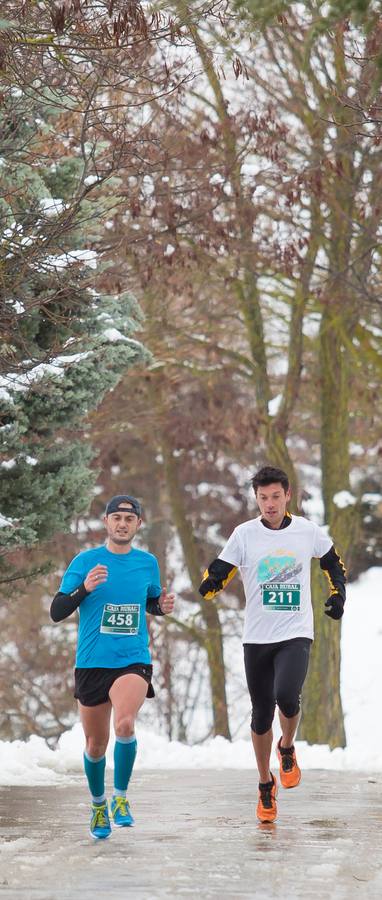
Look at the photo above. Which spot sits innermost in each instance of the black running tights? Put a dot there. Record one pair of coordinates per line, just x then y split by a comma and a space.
275, 674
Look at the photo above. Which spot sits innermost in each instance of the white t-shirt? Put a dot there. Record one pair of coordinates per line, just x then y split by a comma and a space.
275, 568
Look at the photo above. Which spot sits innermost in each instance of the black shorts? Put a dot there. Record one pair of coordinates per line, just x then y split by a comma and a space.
275, 674
92, 686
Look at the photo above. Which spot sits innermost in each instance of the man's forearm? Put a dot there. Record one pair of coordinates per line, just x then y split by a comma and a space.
63, 605
153, 606
335, 571
216, 577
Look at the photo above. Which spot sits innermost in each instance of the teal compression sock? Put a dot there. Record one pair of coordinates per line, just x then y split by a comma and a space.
125, 751
95, 773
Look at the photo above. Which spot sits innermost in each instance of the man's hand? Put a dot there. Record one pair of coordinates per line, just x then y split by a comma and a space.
166, 602
335, 606
208, 588
95, 577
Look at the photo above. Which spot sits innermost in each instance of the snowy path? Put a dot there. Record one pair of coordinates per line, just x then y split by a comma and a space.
196, 835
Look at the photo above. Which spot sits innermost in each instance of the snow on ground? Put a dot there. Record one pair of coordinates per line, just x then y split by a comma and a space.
33, 762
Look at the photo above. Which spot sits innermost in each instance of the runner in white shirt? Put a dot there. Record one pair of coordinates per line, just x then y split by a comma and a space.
273, 553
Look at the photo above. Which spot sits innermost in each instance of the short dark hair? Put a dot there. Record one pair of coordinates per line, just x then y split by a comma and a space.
270, 475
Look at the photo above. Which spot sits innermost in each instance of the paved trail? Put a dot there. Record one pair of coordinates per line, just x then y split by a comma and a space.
197, 836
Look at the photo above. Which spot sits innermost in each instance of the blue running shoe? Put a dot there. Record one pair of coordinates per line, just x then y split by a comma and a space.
100, 827
120, 811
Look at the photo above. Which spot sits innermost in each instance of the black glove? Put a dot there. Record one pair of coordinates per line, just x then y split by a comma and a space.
209, 587
335, 605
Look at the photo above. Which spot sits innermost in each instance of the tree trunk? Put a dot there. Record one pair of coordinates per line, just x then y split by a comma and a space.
210, 637
158, 535
322, 718
322, 715
322, 696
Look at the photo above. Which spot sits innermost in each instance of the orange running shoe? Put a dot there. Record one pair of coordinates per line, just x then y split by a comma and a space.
267, 808
290, 773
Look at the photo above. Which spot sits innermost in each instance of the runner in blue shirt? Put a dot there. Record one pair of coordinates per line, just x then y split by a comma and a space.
112, 586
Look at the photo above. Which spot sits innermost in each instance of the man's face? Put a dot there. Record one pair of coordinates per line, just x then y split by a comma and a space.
272, 502
123, 525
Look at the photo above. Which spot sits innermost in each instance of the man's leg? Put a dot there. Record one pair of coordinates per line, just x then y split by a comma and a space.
96, 725
288, 728
259, 671
127, 695
291, 666
262, 745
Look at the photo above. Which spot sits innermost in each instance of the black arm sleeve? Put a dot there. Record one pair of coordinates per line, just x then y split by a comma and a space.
335, 572
216, 577
63, 605
152, 606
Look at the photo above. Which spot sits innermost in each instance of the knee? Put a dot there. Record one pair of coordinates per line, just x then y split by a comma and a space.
262, 718
96, 748
124, 725
289, 706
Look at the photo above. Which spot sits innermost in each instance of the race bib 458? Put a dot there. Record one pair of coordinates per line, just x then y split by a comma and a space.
281, 597
120, 618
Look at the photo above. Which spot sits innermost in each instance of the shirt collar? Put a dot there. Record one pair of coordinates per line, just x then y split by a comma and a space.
284, 524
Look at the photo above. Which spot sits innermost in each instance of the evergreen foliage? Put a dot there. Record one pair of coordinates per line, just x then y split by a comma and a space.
45, 477
63, 344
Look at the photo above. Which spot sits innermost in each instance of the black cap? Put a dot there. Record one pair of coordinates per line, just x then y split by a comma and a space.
114, 505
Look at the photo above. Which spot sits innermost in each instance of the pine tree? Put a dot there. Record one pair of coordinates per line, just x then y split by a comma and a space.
45, 477
63, 344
